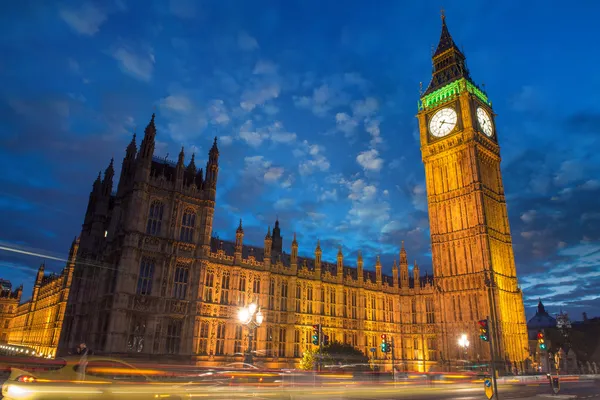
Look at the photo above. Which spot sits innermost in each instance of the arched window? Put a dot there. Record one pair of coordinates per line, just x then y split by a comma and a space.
188, 223
155, 216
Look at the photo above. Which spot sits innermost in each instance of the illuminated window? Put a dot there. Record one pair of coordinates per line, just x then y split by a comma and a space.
297, 343
282, 332
208, 286
271, 304
298, 297
188, 223
225, 288
220, 349
269, 344
203, 342
237, 343
144, 286
430, 311
155, 216
284, 296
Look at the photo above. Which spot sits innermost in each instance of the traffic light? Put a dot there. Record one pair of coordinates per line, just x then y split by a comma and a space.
484, 331
325, 340
541, 340
384, 344
315, 335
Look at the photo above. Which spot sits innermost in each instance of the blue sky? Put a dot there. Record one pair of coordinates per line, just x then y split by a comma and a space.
314, 104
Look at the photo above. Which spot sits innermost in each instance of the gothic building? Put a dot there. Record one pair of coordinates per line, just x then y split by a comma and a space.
9, 301
150, 280
37, 323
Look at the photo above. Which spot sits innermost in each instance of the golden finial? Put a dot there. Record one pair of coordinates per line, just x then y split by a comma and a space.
420, 88
443, 13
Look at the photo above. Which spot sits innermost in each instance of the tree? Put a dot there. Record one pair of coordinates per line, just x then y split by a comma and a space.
342, 353
309, 360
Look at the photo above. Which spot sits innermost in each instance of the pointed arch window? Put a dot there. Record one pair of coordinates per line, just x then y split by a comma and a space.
155, 216
144, 286
188, 224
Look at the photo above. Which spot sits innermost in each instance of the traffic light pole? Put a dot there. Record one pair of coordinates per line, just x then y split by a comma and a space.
493, 358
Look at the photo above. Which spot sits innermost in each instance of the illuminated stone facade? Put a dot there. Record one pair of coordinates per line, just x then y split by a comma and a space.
472, 252
37, 322
9, 301
151, 280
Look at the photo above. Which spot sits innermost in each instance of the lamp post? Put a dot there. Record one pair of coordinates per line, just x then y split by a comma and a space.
463, 342
252, 317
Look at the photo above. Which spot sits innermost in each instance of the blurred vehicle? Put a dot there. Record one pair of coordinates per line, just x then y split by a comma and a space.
96, 378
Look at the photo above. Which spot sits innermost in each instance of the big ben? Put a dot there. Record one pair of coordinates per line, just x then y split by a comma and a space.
471, 243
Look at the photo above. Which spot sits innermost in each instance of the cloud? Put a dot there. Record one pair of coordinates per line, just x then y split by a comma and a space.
85, 20
345, 123
264, 67
283, 204
369, 160
275, 132
329, 195
137, 64
262, 169
225, 140
315, 160
178, 103
368, 208
73, 66
217, 112
247, 42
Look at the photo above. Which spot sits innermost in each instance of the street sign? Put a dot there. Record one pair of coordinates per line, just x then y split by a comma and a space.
489, 390
555, 385
373, 349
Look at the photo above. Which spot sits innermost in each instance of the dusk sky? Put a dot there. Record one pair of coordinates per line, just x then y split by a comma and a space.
314, 104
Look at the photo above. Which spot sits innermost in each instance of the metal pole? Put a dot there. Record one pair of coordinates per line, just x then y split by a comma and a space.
492, 355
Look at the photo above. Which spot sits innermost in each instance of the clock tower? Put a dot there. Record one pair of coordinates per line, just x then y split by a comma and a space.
473, 261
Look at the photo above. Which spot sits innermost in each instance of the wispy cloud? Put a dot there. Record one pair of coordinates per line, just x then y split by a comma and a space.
138, 64
85, 20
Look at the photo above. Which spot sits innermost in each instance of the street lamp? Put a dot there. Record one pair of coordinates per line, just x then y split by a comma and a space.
463, 342
252, 317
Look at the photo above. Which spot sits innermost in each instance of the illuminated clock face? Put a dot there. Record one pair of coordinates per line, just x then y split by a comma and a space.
443, 122
485, 122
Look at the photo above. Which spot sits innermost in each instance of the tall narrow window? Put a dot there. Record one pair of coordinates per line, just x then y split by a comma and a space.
242, 290
256, 285
188, 223
345, 309
173, 336
208, 286
269, 345
144, 286
225, 288
332, 303
237, 343
271, 305
354, 305
309, 300
298, 297
220, 349
429, 310
373, 308
414, 310
180, 282
155, 216
322, 301
203, 342
284, 296
296, 343
282, 342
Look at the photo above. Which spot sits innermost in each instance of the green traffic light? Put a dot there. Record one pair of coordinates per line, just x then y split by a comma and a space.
543, 346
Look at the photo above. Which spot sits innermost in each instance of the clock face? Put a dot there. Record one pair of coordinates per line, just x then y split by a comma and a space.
485, 122
443, 122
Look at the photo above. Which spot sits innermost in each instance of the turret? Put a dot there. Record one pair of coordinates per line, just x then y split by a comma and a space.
318, 254
395, 274
417, 275
277, 246
128, 166
359, 267
191, 171
403, 268
268, 243
378, 276
340, 261
239, 243
294, 255
107, 183
212, 171
144, 157
40, 275
180, 170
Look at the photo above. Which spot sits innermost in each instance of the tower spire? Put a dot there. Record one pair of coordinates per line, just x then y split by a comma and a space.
448, 61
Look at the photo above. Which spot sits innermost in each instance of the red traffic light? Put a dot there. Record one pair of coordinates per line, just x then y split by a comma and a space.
540, 335
483, 323
315, 327
383, 337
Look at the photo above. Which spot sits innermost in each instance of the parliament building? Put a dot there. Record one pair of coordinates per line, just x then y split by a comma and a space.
149, 279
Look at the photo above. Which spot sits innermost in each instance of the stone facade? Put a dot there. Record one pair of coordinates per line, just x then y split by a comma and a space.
9, 301
37, 322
